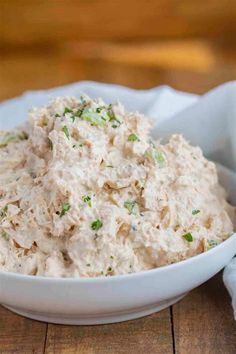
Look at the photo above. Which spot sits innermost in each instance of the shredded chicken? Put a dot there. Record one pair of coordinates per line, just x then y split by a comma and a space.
85, 191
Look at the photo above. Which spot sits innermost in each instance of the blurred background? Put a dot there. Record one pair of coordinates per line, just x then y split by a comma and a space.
188, 44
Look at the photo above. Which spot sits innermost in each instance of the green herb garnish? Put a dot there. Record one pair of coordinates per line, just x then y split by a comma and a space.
188, 237
45, 122
50, 144
195, 211
117, 123
110, 112
92, 116
3, 213
112, 117
96, 224
109, 269
133, 137
156, 156
5, 235
87, 199
159, 158
212, 243
67, 110
129, 205
23, 136
83, 99
88, 264
65, 209
66, 131
79, 113
7, 138
99, 109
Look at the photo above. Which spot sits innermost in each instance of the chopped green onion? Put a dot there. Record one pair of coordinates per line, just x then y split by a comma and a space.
109, 269
57, 115
8, 137
111, 257
111, 113
79, 113
110, 166
87, 199
3, 213
50, 144
112, 117
212, 243
67, 110
99, 109
133, 137
65, 209
188, 237
66, 131
96, 224
195, 211
98, 116
23, 136
45, 122
156, 156
159, 158
129, 205
88, 264
118, 123
5, 235
97, 119
83, 99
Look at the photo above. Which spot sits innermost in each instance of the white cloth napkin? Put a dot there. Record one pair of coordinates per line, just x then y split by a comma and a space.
208, 121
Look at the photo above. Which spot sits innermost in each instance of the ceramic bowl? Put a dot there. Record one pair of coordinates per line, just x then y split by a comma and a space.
110, 299
119, 298
100, 300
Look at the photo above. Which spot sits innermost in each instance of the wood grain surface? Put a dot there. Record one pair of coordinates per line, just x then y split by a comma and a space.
58, 20
152, 334
190, 45
20, 335
201, 323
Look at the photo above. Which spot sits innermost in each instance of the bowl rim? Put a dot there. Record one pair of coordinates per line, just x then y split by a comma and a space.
115, 278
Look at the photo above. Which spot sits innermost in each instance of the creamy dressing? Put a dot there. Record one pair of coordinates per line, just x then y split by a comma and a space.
85, 191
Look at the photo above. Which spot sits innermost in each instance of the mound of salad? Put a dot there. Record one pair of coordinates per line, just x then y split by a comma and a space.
85, 191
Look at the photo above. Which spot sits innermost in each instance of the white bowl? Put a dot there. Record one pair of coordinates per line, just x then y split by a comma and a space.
120, 298
110, 299
87, 301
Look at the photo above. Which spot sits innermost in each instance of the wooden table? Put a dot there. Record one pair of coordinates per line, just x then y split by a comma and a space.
201, 323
